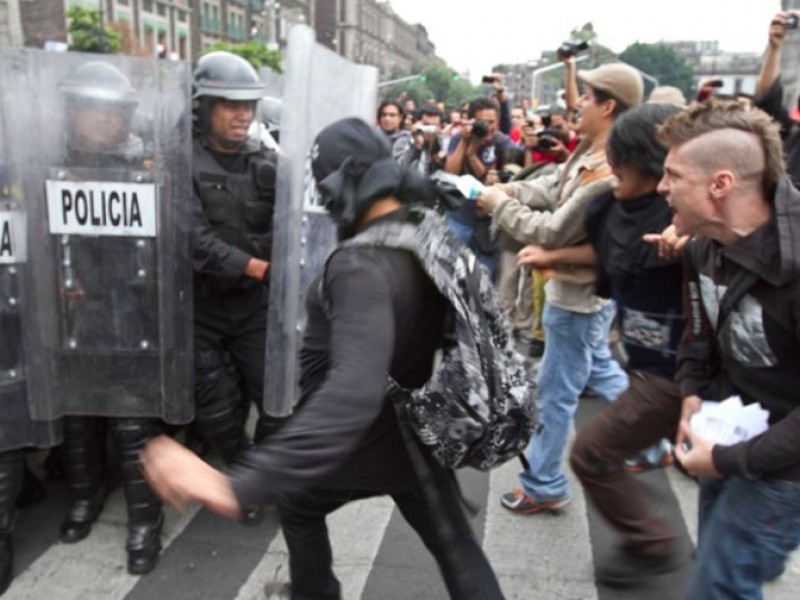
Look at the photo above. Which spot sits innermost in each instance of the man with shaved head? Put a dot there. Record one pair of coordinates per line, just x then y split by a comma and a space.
725, 181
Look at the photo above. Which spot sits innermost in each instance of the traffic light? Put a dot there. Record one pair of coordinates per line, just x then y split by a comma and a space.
455, 77
423, 78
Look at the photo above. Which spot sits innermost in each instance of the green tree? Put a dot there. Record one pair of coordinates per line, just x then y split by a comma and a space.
88, 33
437, 82
253, 52
661, 62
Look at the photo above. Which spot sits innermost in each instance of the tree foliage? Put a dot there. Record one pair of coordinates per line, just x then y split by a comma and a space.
88, 33
253, 52
663, 63
437, 82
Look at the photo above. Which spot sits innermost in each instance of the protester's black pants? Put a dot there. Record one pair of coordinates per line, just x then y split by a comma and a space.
446, 534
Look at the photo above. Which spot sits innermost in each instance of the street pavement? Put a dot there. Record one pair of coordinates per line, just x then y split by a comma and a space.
378, 557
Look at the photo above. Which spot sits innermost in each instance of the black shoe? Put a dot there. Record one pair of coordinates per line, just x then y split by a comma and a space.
144, 546
252, 515
627, 569
6, 562
82, 513
537, 349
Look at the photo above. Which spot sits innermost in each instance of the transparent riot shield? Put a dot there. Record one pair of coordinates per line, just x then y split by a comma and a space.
17, 429
320, 87
108, 191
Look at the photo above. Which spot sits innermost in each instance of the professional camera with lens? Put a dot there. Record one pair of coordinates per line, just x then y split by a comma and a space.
570, 49
546, 139
480, 129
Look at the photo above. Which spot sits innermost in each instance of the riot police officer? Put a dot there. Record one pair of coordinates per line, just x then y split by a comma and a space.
234, 188
100, 105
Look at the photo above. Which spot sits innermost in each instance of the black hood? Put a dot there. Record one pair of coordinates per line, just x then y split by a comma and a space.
352, 166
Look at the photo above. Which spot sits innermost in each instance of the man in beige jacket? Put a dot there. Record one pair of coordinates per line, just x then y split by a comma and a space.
551, 212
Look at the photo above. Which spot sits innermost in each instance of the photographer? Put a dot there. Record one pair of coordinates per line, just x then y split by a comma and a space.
477, 150
424, 152
551, 144
769, 91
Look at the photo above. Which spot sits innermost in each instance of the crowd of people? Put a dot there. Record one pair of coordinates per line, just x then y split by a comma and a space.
669, 224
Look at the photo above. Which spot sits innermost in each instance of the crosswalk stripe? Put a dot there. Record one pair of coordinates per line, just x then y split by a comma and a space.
542, 556
93, 569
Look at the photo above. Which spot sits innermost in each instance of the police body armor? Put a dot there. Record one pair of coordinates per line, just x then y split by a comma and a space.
320, 87
109, 184
238, 205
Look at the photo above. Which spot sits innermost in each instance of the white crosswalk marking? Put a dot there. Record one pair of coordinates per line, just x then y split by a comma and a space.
543, 556
94, 568
530, 553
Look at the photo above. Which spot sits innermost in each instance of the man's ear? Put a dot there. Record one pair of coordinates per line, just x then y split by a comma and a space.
608, 107
721, 184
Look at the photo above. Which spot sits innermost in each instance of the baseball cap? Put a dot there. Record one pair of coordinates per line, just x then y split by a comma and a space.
620, 81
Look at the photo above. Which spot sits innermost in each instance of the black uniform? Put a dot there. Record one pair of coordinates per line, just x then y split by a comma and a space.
234, 203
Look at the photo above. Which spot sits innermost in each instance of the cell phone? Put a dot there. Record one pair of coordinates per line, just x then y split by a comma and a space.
489, 79
715, 83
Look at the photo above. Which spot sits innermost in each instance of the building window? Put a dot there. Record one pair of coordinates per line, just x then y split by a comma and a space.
147, 5
182, 16
162, 9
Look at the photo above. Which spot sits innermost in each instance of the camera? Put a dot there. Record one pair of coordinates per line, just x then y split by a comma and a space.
425, 129
546, 139
570, 49
480, 129
791, 21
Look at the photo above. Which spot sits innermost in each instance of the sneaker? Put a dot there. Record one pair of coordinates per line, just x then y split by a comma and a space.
626, 569
637, 465
518, 502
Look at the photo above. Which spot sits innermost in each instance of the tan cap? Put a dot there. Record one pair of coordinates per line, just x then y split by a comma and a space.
667, 94
618, 80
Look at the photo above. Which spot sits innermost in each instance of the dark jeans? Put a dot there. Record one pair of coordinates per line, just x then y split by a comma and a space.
647, 412
446, 533
746, 531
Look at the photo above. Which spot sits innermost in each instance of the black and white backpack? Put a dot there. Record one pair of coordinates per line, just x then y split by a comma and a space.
478, 409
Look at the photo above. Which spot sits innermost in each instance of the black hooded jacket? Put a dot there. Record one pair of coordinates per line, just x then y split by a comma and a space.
757, 352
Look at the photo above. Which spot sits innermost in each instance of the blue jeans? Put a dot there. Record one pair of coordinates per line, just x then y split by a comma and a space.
747, 529
464, 234
576, 356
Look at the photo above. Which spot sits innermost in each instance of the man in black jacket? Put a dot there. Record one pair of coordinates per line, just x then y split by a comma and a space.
234, 186
372, 314
724, 179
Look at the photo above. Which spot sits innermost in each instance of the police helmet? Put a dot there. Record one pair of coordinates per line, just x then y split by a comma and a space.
271, 110
100, 82
228, 76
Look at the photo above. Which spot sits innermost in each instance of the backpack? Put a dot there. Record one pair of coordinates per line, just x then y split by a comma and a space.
478, 409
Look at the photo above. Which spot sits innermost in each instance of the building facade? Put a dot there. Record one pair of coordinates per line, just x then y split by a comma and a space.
370, 32
364, 31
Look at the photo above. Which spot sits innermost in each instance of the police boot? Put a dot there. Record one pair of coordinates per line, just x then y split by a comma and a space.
222, 426
145, 519
82, 452
11, 467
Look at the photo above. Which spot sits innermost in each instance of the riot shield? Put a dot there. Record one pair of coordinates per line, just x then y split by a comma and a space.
320, 87
17, 429
108, 185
